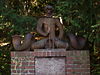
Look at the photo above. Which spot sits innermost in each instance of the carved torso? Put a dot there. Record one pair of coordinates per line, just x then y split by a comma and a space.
48, 25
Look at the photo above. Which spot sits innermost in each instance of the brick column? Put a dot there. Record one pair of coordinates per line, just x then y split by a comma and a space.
76, 62
22, 63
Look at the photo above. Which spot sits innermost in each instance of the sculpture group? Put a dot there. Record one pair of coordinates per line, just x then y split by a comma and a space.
52, 31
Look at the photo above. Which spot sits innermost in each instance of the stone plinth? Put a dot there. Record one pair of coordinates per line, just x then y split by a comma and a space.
50, 66
55, 62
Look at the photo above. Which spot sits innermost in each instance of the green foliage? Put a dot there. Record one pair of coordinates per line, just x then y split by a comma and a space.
80, 17
5, 60
77, 14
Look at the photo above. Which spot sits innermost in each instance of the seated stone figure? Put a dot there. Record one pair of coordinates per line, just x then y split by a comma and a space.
47, 26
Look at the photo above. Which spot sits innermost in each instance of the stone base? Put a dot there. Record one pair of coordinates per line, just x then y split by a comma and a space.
50, 62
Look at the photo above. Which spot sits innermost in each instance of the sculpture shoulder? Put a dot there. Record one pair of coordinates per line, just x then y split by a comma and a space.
45, 18
57, 19
40, 19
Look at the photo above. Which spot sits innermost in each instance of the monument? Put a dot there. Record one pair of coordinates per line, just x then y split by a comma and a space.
47, 26
50, 55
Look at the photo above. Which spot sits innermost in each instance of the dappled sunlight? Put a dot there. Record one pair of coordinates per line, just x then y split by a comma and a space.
3, 44
34, 2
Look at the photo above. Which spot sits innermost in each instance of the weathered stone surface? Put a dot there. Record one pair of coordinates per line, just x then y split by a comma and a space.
50, 66
54, 50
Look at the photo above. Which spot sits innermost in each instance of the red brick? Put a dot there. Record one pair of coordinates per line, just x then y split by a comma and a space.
24, 63
18, 71
44, 53
69, 66
52, 53
85, 65
21, 54
70, 58
25, 67
69, 73
77, 62
41, 54
32, 54
31, 71
29, 67
31, 59
77, 73
69, 62
88, 73
68, 53
56, 53
48, 53
13, 71
87, 61
82, 70
23, 74
12, 66
12, 54
30, 74
77, 70
60, 54
35, 54
72, 66
63, 53
24, 71
20, 67
69, 70
13, 63
73, 73
78, 53
38, 53
32, 63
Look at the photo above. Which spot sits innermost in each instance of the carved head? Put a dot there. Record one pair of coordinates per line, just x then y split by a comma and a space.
48, 9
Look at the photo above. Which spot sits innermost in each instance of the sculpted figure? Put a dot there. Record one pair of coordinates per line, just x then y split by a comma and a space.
46, 26
76, 42
16, 40
52, 31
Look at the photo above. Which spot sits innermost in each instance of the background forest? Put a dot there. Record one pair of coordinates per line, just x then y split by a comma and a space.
81, 17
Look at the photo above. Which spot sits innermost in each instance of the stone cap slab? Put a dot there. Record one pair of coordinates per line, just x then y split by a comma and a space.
55, 50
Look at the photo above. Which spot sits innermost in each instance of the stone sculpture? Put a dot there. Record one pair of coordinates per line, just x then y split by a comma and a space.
47, 26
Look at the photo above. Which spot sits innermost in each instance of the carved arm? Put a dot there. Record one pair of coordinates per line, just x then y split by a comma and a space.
39, 27
60, 29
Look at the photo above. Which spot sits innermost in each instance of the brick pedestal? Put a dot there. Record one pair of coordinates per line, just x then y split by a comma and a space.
75, 62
